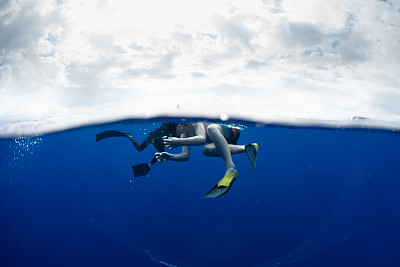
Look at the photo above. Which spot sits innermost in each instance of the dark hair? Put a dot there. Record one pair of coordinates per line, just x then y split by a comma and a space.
171, 126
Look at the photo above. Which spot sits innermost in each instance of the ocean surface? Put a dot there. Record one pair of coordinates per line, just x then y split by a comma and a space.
318, 197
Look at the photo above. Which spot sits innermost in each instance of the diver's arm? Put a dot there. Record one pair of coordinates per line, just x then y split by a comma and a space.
198, 139
184, 156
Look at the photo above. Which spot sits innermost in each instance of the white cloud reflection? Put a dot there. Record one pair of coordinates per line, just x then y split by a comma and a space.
262, 60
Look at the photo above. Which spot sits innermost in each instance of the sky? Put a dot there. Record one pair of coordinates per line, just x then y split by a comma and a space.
263, 59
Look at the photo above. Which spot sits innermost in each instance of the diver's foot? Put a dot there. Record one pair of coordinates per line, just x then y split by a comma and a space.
251, 151
228, 179
231, 170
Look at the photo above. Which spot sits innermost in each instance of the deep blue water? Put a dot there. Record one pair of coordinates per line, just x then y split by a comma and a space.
319, 197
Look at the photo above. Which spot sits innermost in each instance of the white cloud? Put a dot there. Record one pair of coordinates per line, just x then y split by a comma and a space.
259, 59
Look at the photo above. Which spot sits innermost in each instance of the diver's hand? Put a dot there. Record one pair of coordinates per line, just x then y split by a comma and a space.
163, 156
171, 142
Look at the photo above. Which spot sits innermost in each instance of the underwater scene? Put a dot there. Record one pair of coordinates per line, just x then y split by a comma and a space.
318, 196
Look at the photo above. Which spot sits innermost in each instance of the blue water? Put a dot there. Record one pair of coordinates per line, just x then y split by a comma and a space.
319, 197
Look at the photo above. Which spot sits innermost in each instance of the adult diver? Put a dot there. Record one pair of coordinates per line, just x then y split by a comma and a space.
221, 142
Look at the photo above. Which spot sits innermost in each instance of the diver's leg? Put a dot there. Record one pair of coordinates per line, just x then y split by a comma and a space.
140, 147
211, 151
154, 138
215, 133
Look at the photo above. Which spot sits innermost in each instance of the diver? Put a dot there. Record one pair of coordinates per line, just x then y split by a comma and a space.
155, 138
221, 142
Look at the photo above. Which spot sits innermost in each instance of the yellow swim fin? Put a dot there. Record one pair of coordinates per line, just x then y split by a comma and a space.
223, 186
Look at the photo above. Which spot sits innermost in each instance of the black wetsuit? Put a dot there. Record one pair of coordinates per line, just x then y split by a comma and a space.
156, 138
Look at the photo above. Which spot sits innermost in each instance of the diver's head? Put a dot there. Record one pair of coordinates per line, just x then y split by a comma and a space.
171, 126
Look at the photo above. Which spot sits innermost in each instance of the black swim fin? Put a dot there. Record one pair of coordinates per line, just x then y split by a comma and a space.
141, 169
110, 133
223, 186
217, 191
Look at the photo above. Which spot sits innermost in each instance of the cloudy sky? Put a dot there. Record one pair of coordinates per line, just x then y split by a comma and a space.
258, 59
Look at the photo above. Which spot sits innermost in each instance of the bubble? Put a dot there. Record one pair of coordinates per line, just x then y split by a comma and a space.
24, 146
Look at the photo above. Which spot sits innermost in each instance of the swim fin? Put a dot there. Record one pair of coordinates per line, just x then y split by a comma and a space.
223, 186
251, 151
111, 133
141, 169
